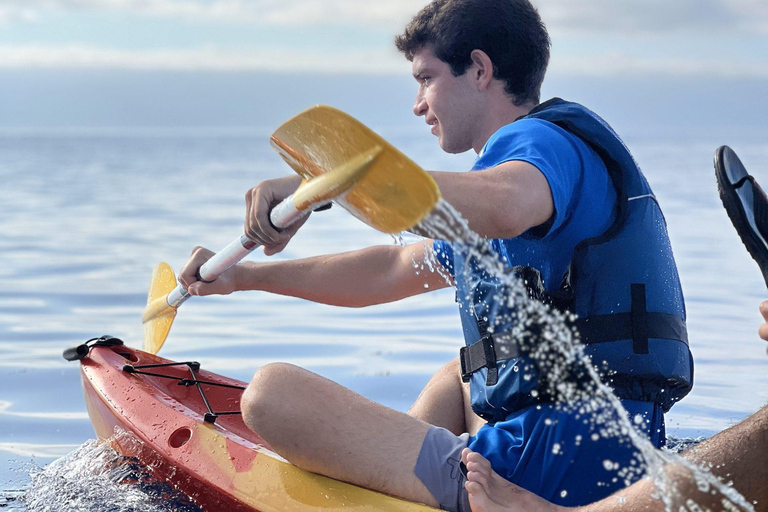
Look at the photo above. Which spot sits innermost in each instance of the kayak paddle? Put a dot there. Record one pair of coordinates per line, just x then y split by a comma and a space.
395, 195
165, 296
391, 193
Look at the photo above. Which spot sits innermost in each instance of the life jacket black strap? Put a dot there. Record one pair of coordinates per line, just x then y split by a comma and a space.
625, 326
638, 325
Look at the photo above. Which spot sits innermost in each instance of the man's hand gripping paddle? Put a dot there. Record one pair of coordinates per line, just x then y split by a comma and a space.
341, 160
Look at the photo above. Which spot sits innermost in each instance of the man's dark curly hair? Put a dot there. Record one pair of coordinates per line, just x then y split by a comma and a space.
510, 32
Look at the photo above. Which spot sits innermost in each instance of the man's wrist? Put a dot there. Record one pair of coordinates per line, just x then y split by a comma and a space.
246, 276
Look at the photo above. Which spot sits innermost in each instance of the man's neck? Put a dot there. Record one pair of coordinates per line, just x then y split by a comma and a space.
500, 115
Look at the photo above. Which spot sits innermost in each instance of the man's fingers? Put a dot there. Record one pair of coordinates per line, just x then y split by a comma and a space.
262, 222
259, 202
763, 331
270, 250
188, 274
194, 288
257, 225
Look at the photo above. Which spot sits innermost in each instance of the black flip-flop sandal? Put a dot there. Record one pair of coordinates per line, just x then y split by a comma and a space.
746, 204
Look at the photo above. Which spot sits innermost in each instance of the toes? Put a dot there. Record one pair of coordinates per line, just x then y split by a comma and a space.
478, 478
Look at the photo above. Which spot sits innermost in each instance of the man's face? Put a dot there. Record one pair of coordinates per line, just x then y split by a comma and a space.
448, 103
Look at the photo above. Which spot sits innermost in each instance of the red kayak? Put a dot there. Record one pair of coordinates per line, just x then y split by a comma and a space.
183, 423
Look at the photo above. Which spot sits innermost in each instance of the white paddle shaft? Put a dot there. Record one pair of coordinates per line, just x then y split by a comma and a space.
281, 216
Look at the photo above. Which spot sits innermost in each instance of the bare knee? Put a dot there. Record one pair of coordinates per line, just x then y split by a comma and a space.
263, 403
453, 367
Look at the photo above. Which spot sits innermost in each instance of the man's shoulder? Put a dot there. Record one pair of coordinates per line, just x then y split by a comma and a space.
531, 132
531, 138
530, 125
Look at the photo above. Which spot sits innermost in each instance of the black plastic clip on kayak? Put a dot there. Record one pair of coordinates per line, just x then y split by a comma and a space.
79, 352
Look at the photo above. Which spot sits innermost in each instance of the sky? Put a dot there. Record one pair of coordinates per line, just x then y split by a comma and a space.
56, 53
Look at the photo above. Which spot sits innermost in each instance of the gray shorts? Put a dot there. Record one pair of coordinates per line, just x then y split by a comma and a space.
438, 468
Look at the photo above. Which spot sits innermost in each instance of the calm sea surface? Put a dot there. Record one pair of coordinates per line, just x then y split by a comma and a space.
85, 216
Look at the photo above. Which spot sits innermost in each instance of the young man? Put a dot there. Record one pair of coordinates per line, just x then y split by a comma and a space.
562, 201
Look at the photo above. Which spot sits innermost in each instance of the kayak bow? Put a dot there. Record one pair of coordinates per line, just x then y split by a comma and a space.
183, 424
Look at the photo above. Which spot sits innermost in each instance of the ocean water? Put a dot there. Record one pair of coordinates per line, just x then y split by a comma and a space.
85, 215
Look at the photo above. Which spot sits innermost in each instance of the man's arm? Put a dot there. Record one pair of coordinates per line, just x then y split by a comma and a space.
374, 275
500, 202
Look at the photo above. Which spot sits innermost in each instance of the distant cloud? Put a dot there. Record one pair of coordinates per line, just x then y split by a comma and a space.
11, 13
620, 64
655, 16
580, 30
277, 12
347, 61
595, 16
211, 59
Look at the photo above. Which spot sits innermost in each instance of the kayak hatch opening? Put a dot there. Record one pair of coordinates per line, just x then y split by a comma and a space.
129, 356
180, 437
193, 366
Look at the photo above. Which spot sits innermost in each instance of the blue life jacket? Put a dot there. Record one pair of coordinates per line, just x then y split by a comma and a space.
623, 285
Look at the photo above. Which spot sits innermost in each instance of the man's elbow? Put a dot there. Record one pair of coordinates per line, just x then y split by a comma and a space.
513, 224
506, 226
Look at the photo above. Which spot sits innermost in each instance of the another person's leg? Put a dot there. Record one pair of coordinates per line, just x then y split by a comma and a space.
445, 402
322, 427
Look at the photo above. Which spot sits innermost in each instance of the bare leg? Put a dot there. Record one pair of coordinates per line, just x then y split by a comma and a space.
323, 427
445, 402
738, 454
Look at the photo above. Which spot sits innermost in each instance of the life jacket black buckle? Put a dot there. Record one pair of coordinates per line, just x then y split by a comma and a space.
481, 354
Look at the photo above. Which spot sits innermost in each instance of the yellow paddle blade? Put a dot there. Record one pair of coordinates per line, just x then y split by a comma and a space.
335, 182
395, 194
156, 330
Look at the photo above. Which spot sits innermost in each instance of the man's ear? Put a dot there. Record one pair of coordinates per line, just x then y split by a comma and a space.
481, 69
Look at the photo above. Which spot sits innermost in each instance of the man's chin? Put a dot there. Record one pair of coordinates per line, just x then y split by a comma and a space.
453, 149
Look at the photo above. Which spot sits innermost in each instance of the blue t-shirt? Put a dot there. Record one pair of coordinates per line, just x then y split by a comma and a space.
544, 448
583, 196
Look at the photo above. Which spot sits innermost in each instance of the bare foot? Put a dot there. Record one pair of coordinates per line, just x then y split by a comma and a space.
489, 492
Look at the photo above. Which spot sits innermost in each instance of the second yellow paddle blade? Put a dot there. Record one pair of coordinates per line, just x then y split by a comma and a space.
156, 330
395, 194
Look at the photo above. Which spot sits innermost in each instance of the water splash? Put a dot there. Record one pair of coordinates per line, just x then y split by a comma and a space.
93, 478
548, 337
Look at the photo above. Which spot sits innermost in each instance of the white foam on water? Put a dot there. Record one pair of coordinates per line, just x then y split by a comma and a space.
95, 478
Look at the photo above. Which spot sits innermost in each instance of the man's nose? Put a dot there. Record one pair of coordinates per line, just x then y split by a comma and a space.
420, 107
